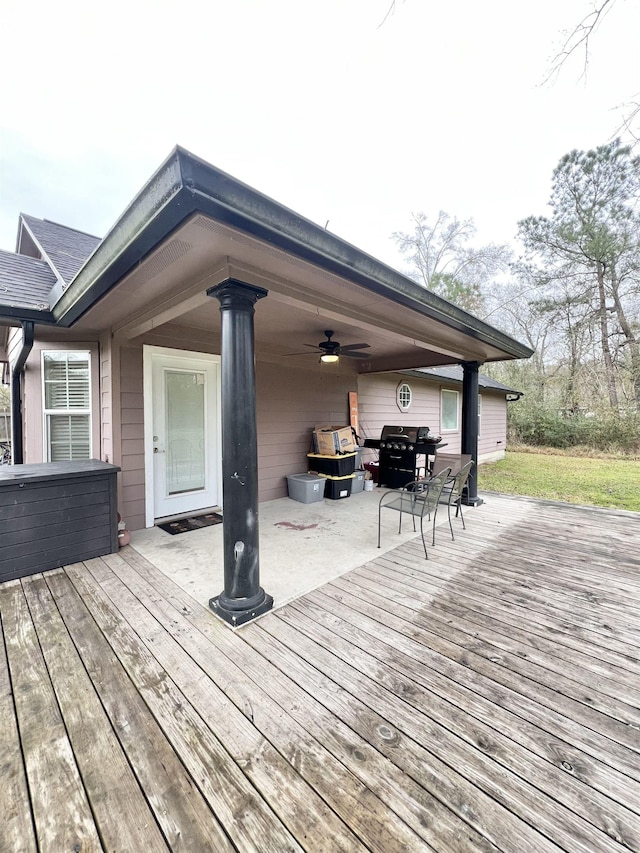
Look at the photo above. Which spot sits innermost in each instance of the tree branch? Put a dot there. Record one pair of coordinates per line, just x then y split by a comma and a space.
578, 39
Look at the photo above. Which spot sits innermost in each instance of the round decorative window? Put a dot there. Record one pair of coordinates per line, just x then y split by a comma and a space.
403, 396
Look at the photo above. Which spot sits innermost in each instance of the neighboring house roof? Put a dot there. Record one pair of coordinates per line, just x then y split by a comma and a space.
65, 248
454, 373
25, 284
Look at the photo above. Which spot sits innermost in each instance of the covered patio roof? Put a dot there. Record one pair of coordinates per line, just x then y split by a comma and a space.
193, 226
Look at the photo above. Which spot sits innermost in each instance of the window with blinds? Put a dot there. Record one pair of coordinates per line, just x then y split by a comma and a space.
67, 405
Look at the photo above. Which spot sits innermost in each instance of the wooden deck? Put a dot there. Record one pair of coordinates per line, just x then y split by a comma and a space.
484, 700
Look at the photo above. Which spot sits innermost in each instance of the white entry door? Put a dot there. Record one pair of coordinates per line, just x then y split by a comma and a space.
182, 446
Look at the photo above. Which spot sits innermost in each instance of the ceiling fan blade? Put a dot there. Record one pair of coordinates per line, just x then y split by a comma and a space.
305, 352
355, 346
353, 354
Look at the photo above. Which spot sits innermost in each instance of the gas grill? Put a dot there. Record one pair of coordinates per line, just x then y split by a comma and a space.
400, 447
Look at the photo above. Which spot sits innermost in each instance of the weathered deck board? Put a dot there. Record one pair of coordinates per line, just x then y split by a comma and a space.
500, 735
16, 826
555, 712
459, 749
109, 782
312, 756
61, 812
483, 700
484, 633
181, 814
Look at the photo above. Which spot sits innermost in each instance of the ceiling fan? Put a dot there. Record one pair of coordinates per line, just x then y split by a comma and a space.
331, 350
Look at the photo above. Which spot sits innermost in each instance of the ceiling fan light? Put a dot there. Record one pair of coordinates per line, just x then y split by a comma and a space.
329, 358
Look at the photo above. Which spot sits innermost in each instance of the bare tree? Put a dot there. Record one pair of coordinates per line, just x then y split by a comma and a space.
443, 260
579, 41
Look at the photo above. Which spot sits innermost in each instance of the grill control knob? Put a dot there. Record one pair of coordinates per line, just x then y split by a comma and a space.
383, 444
410, 447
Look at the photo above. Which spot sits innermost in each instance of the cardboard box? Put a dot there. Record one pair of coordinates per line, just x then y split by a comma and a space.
331, 440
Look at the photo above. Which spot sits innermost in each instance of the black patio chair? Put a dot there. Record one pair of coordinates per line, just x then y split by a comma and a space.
453, 491
418, 499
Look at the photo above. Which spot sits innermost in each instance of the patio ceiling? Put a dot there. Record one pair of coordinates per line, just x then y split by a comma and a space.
193, 227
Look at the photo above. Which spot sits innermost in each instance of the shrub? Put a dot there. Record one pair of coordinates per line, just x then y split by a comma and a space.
543, 427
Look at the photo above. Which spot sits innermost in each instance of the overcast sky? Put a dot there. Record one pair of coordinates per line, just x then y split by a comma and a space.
316, 103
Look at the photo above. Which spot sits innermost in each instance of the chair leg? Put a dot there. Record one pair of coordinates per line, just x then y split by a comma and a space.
379, 514
449, 517
424, 544
464, 526
433, 538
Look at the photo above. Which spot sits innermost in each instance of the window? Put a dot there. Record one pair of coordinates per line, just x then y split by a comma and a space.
67, 405
448, 411
403, 396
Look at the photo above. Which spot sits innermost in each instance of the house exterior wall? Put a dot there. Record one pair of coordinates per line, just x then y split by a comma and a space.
289, 403
492, 441
130, 400
377, 407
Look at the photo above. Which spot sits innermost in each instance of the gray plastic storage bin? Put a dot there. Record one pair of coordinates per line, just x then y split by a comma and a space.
306, 488
358, 482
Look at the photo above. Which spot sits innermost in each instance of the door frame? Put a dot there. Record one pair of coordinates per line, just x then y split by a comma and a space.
188, 356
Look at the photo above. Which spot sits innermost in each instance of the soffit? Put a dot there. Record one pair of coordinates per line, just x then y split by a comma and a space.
170, 285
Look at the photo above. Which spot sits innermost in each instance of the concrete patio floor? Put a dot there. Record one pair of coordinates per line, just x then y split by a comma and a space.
302, 546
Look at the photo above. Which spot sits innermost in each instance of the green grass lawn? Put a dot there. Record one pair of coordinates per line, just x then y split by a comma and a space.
610, 482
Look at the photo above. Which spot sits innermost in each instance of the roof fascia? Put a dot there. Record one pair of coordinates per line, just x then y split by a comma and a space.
236, 204
184, 185
155, 212
12, 312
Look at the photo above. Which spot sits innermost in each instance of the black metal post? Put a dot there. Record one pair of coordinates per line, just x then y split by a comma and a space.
470, 426
243, 598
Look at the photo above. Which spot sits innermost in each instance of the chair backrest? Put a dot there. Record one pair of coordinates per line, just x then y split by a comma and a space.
427, 492
453, 461
460, 480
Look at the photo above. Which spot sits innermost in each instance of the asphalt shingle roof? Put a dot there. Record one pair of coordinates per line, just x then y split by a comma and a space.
454, 373
66, 248
24, 282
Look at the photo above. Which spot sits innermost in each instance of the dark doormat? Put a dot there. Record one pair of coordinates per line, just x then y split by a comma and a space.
184, 525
